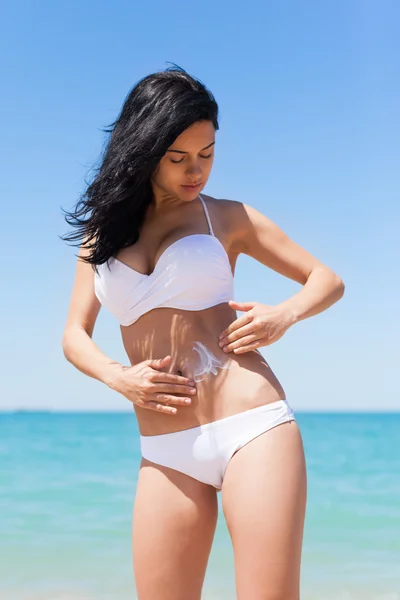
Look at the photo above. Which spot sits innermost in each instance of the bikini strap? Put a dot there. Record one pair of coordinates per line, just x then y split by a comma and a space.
207, 215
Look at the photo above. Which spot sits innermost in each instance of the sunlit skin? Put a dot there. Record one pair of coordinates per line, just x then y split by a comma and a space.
178, 212
187, 162
264, 486
247, 383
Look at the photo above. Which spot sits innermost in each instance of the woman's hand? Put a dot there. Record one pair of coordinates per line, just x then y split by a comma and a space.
261, 325
148, 387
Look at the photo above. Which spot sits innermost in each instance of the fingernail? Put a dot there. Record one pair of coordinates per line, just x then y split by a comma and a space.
221, 344
188, 401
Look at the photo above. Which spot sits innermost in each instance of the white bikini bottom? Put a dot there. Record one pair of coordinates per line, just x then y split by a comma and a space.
203, 452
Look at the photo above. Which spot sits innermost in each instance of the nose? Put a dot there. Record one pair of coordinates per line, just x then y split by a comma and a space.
194, 169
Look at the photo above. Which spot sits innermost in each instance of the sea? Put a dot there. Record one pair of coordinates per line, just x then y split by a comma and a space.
67, 486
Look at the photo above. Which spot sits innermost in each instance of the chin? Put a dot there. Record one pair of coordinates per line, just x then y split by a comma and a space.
190, 194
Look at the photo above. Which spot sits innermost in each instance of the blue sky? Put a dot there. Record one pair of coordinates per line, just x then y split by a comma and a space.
309, 98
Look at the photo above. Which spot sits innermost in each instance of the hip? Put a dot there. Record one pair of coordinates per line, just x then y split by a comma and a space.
204, 451
225, 385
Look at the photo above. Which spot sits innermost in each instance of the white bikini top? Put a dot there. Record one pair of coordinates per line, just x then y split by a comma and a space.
193, 273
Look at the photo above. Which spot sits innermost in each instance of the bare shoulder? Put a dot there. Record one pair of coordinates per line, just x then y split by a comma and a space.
251, 232
227, 217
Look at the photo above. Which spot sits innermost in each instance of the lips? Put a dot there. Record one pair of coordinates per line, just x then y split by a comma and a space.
190, 185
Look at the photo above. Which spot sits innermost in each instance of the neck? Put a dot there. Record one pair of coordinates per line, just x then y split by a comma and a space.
164, 202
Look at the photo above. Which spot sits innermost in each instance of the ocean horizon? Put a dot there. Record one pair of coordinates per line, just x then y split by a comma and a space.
68, 482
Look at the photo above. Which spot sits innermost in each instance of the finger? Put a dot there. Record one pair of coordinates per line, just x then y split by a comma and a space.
243, 320
241, 305
159, 363
239, 333
248, 348
157, 407
158, 376
249, 339
170, 399
171, 388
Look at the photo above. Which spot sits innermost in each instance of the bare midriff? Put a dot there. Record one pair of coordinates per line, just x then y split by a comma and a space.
226, 383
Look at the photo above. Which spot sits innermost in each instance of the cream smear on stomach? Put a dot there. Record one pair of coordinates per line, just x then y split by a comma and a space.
207, 363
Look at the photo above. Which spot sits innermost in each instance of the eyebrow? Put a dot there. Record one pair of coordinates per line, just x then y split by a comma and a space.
183, 152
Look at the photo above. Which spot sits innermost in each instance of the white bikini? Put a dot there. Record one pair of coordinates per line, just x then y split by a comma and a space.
193, 273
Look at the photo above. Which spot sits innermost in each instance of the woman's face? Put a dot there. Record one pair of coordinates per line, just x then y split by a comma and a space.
188, 161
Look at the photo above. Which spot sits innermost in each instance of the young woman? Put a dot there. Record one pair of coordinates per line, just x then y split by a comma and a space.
160, 255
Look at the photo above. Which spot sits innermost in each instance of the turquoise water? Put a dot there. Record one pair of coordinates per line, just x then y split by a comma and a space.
67, 483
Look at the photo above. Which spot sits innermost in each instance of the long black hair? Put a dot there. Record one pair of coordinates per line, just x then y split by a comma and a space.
109, 214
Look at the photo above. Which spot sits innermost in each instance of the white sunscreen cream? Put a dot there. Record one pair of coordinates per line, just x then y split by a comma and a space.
208, 362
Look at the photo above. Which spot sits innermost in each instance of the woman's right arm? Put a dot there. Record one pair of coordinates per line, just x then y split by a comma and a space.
144, 384
78, 346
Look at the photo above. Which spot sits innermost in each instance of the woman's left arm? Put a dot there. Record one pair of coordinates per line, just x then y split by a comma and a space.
254, 234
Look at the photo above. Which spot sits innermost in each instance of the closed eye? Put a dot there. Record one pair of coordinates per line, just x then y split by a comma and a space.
179, 161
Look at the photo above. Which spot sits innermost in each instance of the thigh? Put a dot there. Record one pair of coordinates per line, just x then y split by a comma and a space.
174, 519
264, 500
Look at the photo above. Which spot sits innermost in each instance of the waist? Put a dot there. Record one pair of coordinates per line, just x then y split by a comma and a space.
181, 333
226, 383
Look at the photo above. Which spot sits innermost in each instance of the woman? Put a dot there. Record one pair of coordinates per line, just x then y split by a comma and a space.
160, 255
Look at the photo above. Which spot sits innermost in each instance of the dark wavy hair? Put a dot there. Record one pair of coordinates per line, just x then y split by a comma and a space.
109, 214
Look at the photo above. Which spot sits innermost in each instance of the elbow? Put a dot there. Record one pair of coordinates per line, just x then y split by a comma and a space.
71, 339
336, 284
339, 287
67, 344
